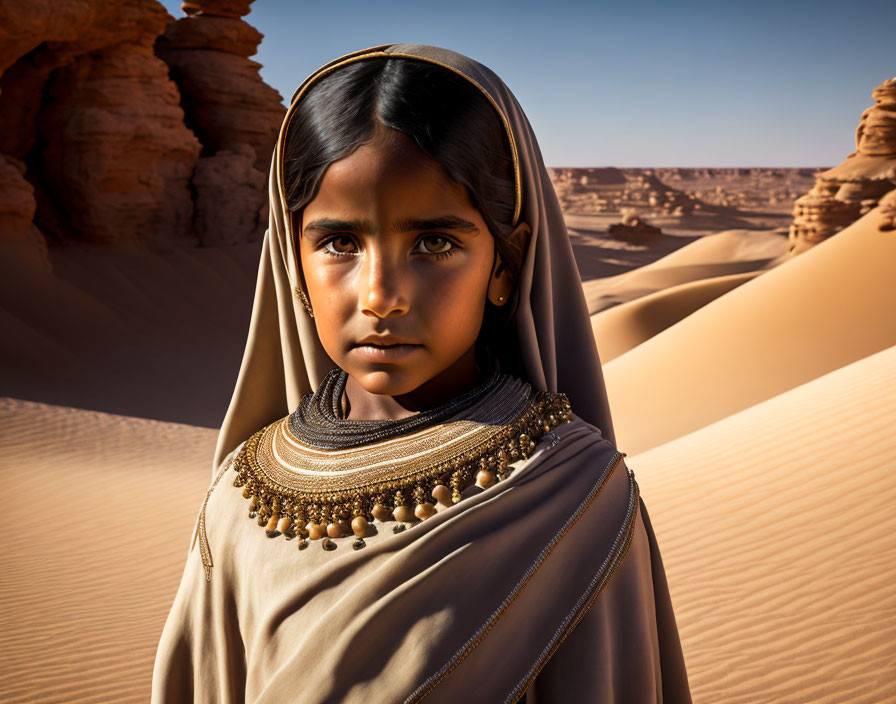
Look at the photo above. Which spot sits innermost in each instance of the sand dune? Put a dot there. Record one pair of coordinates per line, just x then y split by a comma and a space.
777, 531
815, 313
95, 537
721, 254
623, 327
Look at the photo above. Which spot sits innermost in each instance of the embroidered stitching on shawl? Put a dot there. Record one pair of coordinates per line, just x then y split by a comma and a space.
590, 595
199, 530
434, 680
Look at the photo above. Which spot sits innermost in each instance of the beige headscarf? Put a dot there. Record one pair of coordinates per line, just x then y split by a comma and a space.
284, 359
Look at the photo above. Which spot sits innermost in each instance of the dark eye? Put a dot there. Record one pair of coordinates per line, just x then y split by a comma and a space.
341, 244
436, 244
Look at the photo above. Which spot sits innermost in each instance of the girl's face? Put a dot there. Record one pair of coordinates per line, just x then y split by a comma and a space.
398, 264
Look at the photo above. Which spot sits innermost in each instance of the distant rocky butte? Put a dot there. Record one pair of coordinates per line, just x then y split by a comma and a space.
120, 124
680, 192
610, 190
633, 228
843, 194
888, 212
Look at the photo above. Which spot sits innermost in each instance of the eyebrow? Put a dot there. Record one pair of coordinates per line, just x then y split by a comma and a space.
366, 227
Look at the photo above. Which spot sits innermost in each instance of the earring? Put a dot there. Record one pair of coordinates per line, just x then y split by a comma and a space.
306, 304
500, 298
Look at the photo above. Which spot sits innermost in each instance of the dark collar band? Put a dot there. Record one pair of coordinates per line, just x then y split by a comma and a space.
318, 420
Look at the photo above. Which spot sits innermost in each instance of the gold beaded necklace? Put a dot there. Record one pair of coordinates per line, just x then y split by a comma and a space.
297, 490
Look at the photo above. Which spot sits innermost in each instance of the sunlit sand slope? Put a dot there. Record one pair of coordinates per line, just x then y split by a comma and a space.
815, 313
778, 536
95, 532
721, 254
620, 328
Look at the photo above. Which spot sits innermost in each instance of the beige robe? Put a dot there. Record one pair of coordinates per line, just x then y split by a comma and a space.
550, 581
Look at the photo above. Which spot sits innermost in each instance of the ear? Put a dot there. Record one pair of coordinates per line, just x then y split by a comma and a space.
502, 280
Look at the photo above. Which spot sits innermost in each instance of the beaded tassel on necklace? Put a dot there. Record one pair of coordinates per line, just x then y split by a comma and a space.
364, 476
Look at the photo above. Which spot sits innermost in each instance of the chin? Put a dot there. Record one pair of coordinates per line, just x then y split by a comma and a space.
386, 382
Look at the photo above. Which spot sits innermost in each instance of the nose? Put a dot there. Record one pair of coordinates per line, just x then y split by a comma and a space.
382, 288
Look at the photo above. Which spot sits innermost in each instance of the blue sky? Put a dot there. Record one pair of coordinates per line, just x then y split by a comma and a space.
635, 83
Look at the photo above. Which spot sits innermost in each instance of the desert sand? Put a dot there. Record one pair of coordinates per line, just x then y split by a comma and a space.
777, 533
710, 256
626, 326
94, 545
823, 309
629, 308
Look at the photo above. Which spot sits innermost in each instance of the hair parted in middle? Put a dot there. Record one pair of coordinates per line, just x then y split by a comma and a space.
448, 118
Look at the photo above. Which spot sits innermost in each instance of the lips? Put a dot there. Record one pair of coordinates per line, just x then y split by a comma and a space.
384, 341
384, 348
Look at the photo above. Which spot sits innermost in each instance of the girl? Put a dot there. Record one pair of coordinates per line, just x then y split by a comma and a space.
416, 495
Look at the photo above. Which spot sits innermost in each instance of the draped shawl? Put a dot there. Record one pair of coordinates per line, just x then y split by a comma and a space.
547, 586
284, 359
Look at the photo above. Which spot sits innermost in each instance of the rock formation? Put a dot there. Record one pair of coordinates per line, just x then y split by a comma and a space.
92, 113
234, 113
22, 239
223, 96
843, 194
231, 198
222, 8
888, 212
609, 189
94, 142
634, 229
117, 157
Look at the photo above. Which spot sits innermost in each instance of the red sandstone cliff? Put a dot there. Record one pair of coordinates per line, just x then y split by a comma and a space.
120, 124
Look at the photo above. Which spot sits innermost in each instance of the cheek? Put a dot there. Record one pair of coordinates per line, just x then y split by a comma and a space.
454, 300
326, 289
327, 284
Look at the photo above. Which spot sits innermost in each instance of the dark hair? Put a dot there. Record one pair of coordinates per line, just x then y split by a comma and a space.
448, 118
